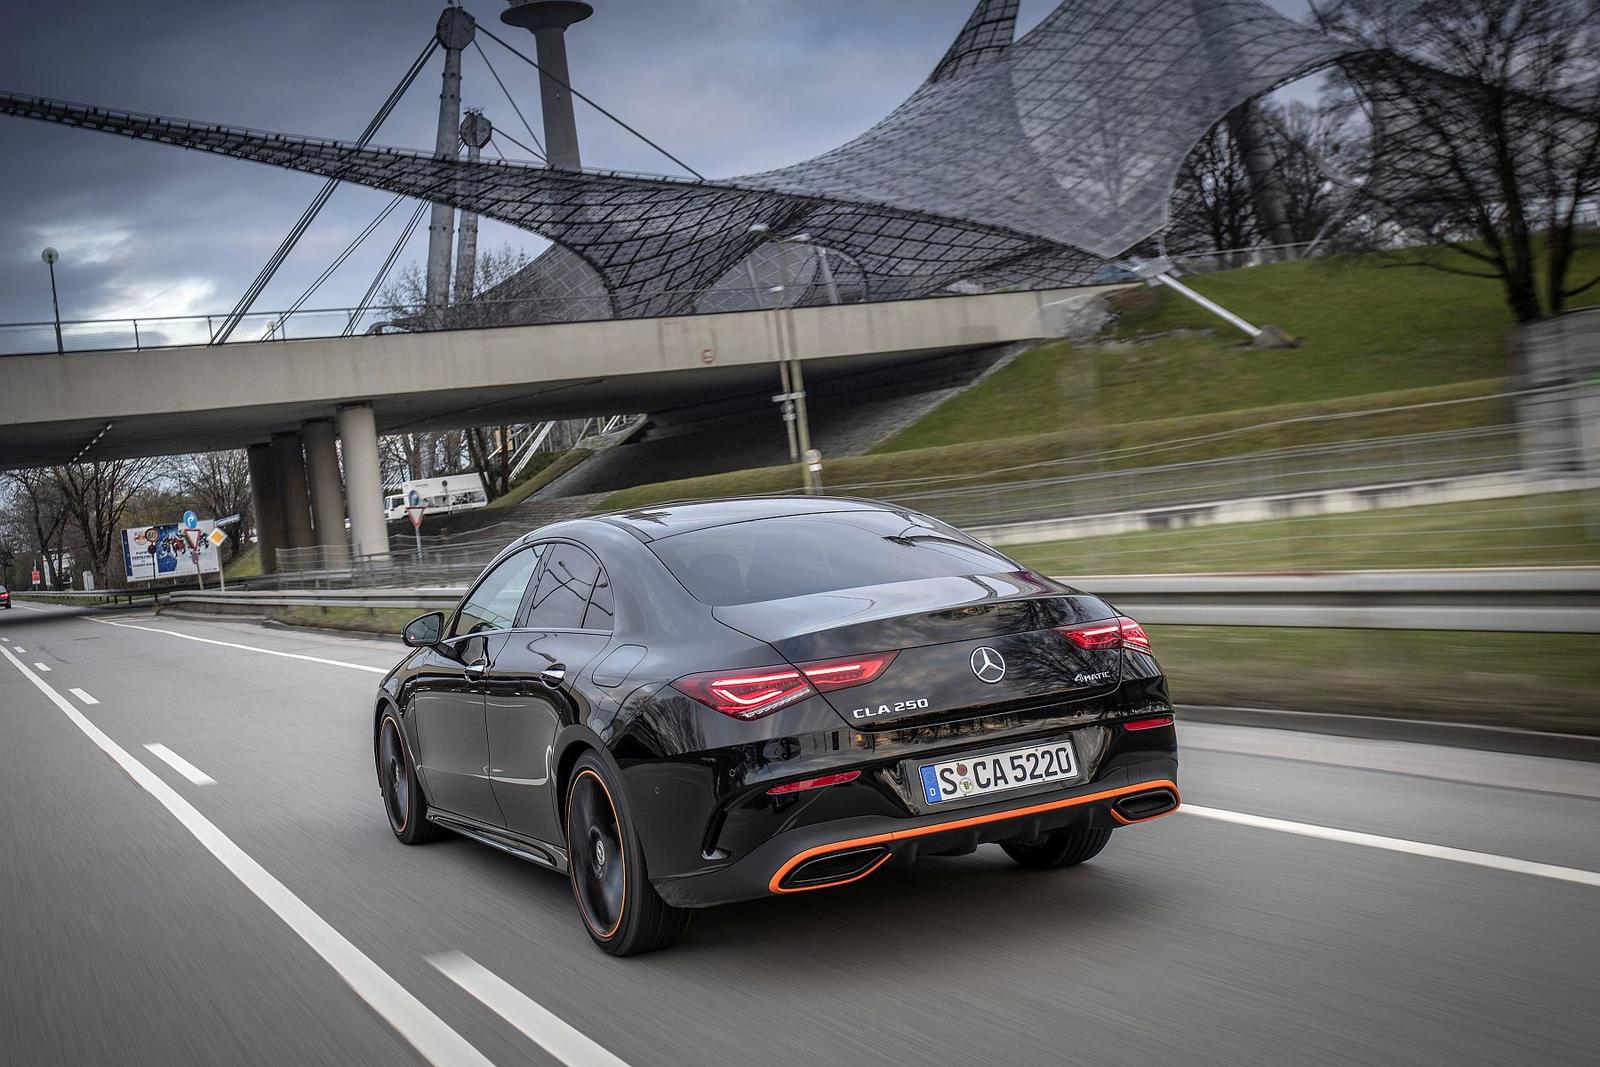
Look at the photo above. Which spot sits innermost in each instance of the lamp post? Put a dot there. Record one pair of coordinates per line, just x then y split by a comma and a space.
791, 376
50, 256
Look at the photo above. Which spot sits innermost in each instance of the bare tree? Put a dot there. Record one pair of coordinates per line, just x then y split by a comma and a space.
97, 496
41, 511
218, 483
1307, 143
1485, 120
1213, 208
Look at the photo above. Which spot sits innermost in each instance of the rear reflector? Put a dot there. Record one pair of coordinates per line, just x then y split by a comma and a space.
749, 694
1121, 632
1154, 723
814, 783
828, 675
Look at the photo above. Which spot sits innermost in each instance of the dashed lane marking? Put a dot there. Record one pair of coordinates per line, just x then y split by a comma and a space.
433, 1039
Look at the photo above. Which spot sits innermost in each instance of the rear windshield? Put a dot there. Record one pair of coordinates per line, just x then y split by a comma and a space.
770, 559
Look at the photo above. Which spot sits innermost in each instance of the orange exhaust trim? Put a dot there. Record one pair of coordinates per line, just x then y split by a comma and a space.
956, 824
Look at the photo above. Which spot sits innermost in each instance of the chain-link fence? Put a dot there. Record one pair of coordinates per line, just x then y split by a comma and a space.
1505, 492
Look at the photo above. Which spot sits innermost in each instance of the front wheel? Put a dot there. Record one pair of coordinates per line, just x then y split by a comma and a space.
623, 913
402, 795
1064, 848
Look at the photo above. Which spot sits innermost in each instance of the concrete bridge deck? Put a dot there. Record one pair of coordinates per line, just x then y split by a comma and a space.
177, 400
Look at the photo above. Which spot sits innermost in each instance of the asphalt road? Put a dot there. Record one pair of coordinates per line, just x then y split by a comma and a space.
265, 915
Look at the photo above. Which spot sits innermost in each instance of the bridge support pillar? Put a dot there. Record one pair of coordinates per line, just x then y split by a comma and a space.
358, 432
289, 463
264, 500
327, 494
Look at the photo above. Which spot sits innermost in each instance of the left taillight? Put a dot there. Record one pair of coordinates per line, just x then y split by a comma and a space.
747, 694
1121, 632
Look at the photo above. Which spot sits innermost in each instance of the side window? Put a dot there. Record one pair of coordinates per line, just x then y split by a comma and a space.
493, 604
601, 614
564, 588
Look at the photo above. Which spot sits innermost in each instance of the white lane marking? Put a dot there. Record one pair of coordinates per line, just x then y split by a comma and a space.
41, 668
181, 765
81, 695
534, 1020
427, 1033
246, 648
22, 650
7, 640
1396, 844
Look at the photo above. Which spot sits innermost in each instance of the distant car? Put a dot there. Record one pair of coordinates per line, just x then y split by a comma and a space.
5, 598
694, 704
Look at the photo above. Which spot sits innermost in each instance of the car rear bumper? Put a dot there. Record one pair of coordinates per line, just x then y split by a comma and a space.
837, 853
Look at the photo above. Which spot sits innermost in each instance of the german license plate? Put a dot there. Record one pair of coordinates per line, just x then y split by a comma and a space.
993, 772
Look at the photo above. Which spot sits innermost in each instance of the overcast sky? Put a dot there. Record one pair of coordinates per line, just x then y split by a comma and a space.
730, 86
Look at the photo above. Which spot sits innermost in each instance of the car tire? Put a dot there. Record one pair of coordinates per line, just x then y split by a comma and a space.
622, 911
403, 802
1064, 848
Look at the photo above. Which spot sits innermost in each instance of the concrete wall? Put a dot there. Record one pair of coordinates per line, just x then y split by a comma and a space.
1557, 365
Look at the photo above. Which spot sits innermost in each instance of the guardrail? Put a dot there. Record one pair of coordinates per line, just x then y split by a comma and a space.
1535, 600
99, 596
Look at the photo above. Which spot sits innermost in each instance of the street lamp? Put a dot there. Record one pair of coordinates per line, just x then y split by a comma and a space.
790, 374
50, 256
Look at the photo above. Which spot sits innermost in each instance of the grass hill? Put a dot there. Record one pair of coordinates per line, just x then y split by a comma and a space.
1376, 335
1369, 326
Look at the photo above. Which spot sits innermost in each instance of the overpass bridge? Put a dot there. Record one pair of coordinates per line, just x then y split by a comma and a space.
289, 401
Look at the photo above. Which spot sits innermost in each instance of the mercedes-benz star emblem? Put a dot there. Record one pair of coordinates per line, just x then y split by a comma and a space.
988, 665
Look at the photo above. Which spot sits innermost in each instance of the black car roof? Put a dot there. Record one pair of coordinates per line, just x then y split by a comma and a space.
668, 520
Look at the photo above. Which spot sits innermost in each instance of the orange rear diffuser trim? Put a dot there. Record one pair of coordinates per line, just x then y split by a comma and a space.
956, 824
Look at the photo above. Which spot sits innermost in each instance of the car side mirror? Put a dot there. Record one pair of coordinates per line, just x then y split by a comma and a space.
424, 631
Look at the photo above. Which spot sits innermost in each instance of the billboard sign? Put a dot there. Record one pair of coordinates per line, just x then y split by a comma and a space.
162, 551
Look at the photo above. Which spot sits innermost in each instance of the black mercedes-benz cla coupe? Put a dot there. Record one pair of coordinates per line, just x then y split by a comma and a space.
702, 703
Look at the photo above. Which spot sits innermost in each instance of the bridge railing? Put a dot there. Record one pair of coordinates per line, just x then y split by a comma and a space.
302, 324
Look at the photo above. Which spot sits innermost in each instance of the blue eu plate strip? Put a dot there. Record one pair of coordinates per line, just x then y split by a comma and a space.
930, 785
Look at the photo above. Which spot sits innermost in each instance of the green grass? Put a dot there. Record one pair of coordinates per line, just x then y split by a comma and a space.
388, 621
536, 478
1533, 681
247, 564
1368, 325
1552, 529
1009, 459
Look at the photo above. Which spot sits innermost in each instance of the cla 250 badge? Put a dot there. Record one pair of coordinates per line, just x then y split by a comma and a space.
890, 709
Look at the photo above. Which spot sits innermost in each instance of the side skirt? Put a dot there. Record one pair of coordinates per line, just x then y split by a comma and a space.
524, 848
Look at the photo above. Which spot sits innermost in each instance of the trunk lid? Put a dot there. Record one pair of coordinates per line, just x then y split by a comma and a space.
963, 645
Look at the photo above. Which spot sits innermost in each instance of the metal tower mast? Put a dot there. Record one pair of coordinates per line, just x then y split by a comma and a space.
476, 129
454, 32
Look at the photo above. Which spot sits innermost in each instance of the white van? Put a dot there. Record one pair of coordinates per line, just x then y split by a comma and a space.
440, 496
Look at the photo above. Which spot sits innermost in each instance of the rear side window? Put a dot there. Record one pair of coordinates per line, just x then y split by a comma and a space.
770, 559
565, 587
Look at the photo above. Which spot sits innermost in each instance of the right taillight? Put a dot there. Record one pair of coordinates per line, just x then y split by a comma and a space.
1121, 632
828, 675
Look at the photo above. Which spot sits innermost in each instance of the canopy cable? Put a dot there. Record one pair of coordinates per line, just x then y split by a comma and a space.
383, 271
339, 260
510, 99
513, 140
496, 39
318, 202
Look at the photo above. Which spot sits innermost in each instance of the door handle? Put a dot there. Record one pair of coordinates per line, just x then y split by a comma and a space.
475, 670
553, 676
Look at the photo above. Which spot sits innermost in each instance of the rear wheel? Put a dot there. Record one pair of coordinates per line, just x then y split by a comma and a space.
403, 801
1064, 848
624, 914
